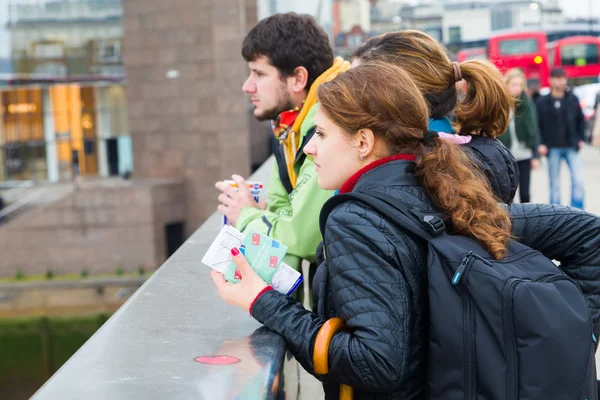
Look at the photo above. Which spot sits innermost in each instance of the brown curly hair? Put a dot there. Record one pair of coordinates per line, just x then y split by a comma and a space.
384, 99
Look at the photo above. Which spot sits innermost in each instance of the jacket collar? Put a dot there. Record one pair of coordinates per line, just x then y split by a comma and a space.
351, 183
440, 125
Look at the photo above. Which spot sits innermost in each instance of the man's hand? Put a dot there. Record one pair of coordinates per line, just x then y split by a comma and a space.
580, 144
535, 163
543, 149
233, 200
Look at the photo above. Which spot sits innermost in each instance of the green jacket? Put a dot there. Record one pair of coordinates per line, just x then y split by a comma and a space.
526, 126
292, 219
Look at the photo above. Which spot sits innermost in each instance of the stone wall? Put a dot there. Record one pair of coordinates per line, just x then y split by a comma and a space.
102, 226
187, 115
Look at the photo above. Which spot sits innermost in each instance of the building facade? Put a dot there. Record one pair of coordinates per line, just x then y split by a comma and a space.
167, 91
455, 21
62, 108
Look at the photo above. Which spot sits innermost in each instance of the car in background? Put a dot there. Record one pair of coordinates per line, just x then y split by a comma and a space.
587, 99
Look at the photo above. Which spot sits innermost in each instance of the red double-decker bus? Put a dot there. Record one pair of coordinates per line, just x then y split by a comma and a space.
524, 50
579, 56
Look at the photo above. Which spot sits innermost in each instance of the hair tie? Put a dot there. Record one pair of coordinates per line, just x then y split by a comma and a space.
457, 72
428, 137
454, 138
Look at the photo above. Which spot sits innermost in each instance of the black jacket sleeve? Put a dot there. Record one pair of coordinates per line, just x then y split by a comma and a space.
580, 121
541, 119
535, 130
370, 294
568, 235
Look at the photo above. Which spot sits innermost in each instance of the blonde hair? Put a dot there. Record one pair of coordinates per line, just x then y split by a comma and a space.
515, 73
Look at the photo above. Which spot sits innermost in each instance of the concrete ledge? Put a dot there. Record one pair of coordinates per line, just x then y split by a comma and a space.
149, 348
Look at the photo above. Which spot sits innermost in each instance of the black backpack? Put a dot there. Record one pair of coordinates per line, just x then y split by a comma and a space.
517, 328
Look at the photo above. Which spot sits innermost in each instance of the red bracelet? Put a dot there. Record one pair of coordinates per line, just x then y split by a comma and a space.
266, 289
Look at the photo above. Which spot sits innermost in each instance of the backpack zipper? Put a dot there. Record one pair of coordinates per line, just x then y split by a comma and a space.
553, 278
461, 269
464, 265
517, 257
469, 343
469, 321
510, 341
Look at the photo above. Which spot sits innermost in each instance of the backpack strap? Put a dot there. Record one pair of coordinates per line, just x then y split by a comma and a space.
423, 225
284, 176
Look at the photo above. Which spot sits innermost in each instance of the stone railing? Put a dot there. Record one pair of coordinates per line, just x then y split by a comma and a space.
175, 338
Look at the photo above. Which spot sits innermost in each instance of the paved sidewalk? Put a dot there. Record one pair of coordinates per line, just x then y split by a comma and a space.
540, 192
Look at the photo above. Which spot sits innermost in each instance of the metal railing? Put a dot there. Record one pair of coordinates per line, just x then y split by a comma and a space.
175, 338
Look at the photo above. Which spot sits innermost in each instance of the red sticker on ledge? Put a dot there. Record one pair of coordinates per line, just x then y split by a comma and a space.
217, 360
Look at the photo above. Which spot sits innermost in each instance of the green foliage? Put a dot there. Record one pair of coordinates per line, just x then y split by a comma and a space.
49, 274
19, 275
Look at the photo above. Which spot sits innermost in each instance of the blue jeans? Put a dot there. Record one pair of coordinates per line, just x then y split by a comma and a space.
575, 164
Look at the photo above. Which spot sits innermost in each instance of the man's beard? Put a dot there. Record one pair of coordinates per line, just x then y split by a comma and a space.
284, 103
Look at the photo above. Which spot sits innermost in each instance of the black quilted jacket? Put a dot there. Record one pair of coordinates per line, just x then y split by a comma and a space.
497, 163
374, 278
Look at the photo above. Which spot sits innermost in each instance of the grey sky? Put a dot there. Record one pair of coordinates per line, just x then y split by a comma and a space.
571, 8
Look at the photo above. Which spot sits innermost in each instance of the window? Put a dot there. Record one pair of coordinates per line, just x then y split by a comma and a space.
511, 47
454, 34
48, 50
579, 54
502, 19
109, 51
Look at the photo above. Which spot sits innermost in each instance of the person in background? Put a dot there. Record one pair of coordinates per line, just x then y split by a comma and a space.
596, 124
562, 132
289, 56
521, 137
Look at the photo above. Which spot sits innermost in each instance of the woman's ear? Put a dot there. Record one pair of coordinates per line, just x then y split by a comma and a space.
364, 142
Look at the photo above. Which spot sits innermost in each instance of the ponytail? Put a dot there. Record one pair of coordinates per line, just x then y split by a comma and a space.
485, 109
456, 188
